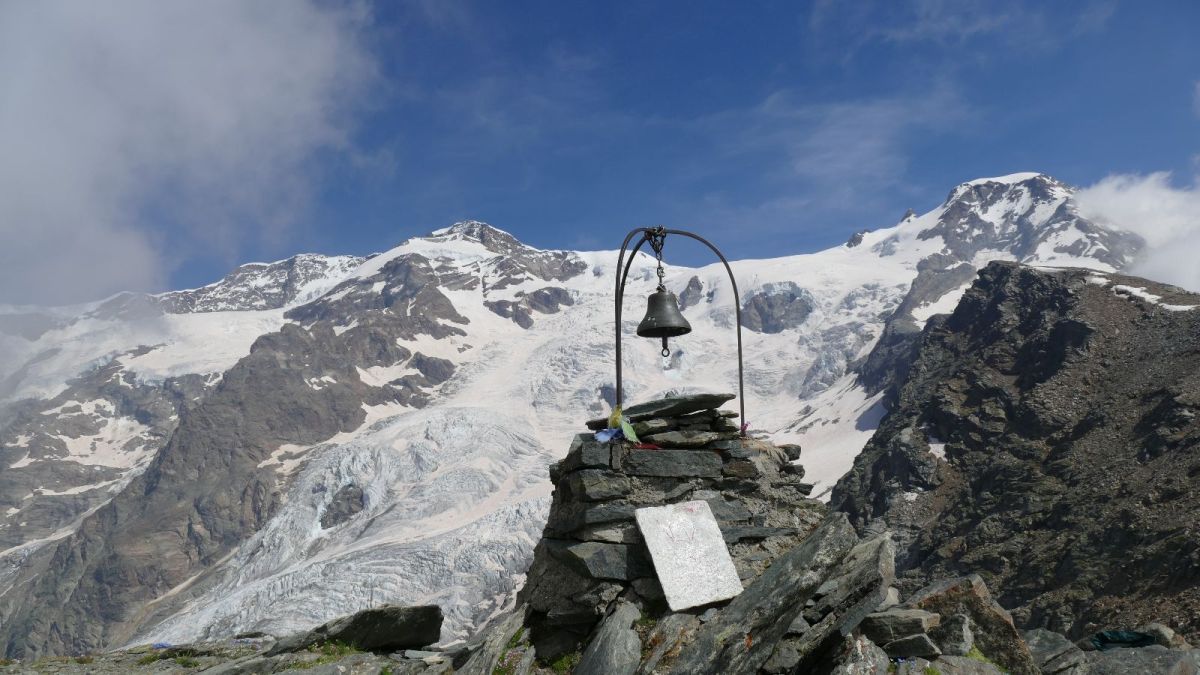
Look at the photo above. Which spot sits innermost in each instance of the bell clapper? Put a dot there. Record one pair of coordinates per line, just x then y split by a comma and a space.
666, 351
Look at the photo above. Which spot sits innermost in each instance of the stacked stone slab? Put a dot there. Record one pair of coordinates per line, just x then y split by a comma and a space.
592, 554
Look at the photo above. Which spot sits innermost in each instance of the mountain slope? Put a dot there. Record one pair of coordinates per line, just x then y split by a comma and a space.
386, 421
1047, 436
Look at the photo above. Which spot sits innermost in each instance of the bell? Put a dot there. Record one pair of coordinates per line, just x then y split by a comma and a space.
663, 318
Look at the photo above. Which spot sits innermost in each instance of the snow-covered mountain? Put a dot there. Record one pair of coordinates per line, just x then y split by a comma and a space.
309, 437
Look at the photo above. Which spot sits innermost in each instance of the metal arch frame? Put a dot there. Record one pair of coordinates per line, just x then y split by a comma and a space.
623, 273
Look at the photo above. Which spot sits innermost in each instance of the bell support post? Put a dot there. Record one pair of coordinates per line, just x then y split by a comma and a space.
658, 235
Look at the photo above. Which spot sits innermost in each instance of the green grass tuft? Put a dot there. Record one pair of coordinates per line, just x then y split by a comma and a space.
566, 663
147, 659
187, 661
517, 638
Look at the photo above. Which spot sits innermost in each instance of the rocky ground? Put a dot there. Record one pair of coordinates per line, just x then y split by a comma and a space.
819, 597
1046, 437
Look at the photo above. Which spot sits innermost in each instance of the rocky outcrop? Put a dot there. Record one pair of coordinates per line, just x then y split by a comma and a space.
1046, 436
776, 308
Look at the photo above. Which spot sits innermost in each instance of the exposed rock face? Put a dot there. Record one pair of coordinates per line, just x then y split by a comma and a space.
1046, 436
263, 285
1029, 218
776, 308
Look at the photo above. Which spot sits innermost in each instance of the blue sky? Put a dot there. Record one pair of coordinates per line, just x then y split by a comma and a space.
773, 127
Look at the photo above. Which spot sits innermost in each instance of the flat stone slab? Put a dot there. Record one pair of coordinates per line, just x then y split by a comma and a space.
689, 554
672, 463
667, 407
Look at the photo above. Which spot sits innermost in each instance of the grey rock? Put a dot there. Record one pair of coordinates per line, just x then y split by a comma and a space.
380, 629
948, 665
667, 407
912, 646
616, 649
784, 658
487, 648
613, 533
860, 656
648, 588
346, 502
691, 294
893, 624
1055, 654
994, 631
672, 463
890, 599
860, 581
768, 606
683, 439
728, 510
1164, 636
1153, 660
586, 453
954, 635
650, 426
598, 484
602, 561
777, 307
735, 534
665, 637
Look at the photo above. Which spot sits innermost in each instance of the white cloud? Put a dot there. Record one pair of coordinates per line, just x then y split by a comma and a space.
122, 120
1168, 217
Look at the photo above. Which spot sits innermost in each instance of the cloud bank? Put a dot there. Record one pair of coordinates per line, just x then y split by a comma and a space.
1168, 217
131, 128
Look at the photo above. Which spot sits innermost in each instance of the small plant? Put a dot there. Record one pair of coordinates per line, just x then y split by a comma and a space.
386, 670
979, 656
930, 670
85, 659
187, 661
148, 659
517, 638
566, 663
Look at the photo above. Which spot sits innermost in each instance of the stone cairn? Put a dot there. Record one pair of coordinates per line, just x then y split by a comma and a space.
592, 556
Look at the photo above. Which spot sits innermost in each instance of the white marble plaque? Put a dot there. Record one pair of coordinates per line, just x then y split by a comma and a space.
689, 554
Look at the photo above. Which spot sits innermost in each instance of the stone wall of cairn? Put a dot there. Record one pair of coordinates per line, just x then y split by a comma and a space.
592, 555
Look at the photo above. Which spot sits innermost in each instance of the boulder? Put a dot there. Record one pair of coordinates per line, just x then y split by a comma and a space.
745, 633
912, 646
599, 560
616, 649
1054, 653
1153, 660
995, 634
380, 629
893, 624
860, 656
954, 635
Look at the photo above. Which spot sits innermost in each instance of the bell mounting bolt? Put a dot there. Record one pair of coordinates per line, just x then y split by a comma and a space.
663, 318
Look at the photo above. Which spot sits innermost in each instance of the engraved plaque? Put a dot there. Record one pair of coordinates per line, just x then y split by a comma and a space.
689, 554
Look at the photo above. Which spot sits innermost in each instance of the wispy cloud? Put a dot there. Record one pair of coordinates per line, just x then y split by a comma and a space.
846, 27
1166, 215
816, 159
134, 126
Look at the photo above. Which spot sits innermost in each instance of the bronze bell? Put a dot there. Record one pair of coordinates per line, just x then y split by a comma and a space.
663, 318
